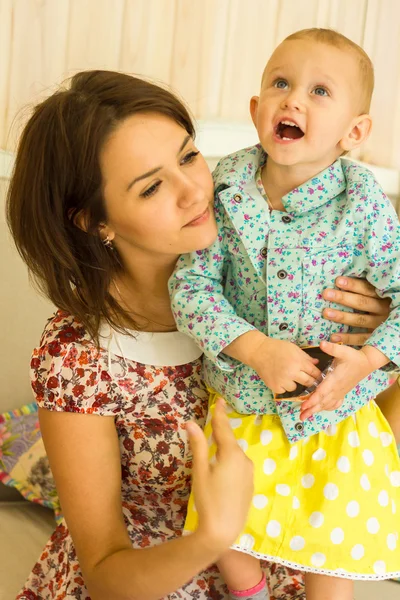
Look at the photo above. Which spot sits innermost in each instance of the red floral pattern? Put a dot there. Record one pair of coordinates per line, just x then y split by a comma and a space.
150, 405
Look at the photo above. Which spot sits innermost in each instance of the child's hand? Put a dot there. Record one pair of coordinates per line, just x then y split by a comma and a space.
350, 367
281, 365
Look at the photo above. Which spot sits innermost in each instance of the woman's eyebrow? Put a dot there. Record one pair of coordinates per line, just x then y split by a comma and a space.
156, 169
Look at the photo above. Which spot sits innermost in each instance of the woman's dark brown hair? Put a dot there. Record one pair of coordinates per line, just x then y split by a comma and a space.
57, 177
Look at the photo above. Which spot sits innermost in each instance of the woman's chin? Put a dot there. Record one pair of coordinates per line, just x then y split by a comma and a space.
199, 238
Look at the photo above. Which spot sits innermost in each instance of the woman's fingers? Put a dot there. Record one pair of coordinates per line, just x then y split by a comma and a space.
355, 285
222, 431
364, 321
365, 303
199, 448
350, 339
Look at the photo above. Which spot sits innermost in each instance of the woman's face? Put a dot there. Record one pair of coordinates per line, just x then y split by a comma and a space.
158, 189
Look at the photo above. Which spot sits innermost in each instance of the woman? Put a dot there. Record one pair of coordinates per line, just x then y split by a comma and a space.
108, 190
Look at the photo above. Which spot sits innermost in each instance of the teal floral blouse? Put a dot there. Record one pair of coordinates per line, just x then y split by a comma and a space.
267, 270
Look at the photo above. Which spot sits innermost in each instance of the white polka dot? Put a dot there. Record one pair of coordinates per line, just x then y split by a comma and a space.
316, 519
331, 491
395, 478
373, 430
393, 507
386, 439
308, 480
246, 541
266, 437
373, 525
243, 444
297, 543
269, 466
260, 501
235, 423
391, 541
337, 535
383, 498
368, 457
357, 552
319, 454
343, 464
331, 430
294, 450
295, 503
273, 529
365, 484
318, 559
282, 489
354, 439
379, 567
353, 509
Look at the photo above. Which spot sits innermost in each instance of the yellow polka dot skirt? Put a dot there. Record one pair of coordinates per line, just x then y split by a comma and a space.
329, 504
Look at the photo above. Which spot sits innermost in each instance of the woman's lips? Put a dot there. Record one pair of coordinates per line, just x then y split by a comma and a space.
202, 218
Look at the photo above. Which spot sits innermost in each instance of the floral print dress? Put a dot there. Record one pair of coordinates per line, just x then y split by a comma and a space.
150, 405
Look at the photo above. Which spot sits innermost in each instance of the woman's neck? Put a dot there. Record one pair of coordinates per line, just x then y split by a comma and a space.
143, 291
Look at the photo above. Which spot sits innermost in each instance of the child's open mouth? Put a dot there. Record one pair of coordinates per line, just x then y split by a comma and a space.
288, 131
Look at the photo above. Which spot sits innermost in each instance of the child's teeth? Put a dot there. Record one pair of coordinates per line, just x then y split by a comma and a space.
286, 139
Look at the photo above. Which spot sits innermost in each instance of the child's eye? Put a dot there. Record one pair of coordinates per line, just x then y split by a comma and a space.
321, 91
281, 84
189, 157
151, 190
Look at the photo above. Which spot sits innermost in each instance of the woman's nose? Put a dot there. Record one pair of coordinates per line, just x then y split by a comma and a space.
190, 192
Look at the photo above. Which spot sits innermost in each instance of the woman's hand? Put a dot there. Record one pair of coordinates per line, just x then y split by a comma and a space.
361, 296
223, 490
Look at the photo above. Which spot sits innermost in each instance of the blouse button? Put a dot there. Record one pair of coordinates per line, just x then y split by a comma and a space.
237, 198
282, 274
283, 326
286, 219
264, 252
299, 427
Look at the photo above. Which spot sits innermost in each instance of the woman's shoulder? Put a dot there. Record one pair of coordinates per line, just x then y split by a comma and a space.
63, 329
68, 371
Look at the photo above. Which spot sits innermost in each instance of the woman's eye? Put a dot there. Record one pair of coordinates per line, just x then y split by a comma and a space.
320, 91
189, 157
151, 190
281, 84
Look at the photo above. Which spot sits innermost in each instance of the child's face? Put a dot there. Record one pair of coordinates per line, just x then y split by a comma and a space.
308, 103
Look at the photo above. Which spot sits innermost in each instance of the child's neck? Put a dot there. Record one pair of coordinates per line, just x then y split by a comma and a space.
279, 180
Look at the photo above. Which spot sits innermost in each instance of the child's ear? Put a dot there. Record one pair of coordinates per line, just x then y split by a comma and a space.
254, 109
357, 134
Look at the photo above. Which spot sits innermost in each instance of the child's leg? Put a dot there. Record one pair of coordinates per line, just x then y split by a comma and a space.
323, 587
242, 573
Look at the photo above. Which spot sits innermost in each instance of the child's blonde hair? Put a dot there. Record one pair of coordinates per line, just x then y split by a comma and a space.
333, 38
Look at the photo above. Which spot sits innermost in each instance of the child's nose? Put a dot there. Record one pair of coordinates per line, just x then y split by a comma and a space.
293, 101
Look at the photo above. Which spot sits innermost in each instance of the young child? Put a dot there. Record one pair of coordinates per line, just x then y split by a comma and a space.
292, 215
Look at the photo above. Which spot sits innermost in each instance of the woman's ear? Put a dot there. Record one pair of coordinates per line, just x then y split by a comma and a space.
79, 219
357, 134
